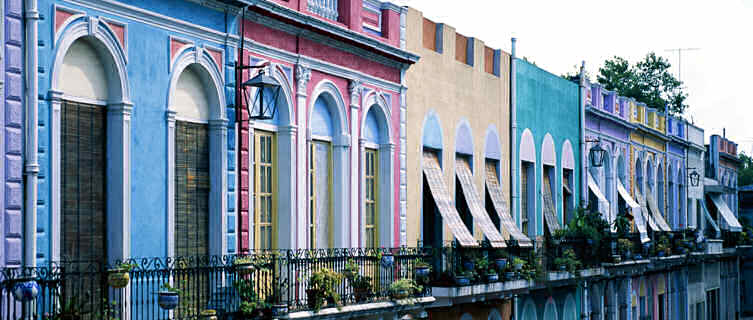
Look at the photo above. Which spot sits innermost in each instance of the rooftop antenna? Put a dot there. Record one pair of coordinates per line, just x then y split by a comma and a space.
679, 58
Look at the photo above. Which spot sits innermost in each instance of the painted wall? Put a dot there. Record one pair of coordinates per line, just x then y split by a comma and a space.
547, 104
455, 94
149, 42
11, 122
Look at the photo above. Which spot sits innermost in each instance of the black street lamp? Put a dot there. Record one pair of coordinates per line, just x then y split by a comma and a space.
597, 154
694, 177
264, 104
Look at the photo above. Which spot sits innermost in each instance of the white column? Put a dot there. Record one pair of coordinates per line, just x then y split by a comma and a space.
170, 183
218, 186
119, 180
403, 168
286, 186
302, 75
340, 187
354, 89
387, 195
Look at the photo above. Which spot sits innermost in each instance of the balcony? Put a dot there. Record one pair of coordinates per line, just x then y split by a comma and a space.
324, 8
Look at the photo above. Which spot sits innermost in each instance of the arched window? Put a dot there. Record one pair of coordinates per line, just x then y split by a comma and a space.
569, 310
550, 310
639, 177
529, 310
568, 182
527, 212
377, 153
463, 152
432, 226
660, 190
549, 184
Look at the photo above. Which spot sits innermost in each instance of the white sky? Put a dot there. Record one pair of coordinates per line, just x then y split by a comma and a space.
557, 35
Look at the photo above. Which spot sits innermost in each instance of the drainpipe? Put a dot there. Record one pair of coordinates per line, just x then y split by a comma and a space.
31, 167
583, 154
513, 131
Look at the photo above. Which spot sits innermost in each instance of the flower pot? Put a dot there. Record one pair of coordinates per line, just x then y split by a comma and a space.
400, 294
168, 300
501, 263
638, 257
208, 315
518, 266
493, 277
422, 272
245, 268
616, 258
118, 278
509, 275
361, 294
468, 265
590, 242
556, 242
388, 260
279, 310
660, 254
25, 291
562, 267
462, 280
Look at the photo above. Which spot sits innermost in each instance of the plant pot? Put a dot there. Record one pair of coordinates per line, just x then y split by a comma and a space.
279, 310
562, 267
422, 272
493, 277
518, 266
361, 294
468, 265
501, 263
616, 258
26, 290
388, 260
462, 280
638, 257
400, 294
590, 242
509, 275
208, 315
312, 297
118, 278
168, 300
245, 268
660, 254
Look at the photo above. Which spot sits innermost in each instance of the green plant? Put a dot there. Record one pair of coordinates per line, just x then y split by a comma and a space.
482, 265
351, 270
420, 263
243, 260
622, 224
166, 287
518, 261
322, 284
624, 245
250, 301
404, 288
569, 260
125, 266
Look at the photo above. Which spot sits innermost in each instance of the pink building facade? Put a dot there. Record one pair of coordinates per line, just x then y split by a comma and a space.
328, 170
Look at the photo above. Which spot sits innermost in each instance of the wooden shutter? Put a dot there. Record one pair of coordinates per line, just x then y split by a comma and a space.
524, 198
83, 188
191, 189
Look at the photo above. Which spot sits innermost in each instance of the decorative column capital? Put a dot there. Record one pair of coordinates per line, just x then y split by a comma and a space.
354, 90
171, 115
123, 108
218, 124
302, 76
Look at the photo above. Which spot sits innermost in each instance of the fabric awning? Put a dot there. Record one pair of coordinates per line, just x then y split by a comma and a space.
635, 211
709, 218
729, 218
475, 205
509, 227
603, 205
550, 210
450, 216
644, 212
656, 214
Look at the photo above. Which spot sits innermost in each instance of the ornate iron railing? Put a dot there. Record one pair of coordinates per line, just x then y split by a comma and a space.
81, 290
324, 8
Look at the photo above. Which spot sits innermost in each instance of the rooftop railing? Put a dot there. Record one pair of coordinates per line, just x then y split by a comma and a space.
324, 8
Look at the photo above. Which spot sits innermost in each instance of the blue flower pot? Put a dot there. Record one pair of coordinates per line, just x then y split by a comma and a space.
462, 280
638, 257
492, 277
387, 260
509, 275
468, 265
501, 263
26, 290
660, 254
168, 300
422, 272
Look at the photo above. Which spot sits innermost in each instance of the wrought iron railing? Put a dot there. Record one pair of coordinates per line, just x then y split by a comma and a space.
324, 8
81, 290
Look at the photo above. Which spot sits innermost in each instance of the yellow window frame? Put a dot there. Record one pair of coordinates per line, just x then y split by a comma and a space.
371, 195
265, 200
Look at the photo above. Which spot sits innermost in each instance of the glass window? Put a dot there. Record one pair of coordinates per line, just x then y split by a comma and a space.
372, 219
264, 184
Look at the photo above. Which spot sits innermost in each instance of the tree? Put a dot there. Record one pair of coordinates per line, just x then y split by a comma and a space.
648, 81
745, 174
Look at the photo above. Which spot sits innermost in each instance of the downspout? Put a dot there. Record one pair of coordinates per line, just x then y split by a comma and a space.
583, 154
31, 167
513, 132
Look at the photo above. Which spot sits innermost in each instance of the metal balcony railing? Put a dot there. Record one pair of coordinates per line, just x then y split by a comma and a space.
324, 8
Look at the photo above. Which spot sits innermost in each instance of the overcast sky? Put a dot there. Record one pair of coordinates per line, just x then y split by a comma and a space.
557, 35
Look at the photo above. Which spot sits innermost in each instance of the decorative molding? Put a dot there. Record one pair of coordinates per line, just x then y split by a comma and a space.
355, 88
302, 76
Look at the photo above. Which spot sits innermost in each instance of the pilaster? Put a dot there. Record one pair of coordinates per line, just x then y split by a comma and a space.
302, 76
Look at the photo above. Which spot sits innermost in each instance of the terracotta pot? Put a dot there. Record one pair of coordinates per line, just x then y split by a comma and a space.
118, 278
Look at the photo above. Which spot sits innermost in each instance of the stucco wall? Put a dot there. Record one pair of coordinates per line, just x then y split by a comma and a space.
548, 104
457, 93
11, 118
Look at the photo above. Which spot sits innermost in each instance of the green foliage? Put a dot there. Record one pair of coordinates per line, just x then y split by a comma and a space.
517, 260
745, 174
169, 288
125, 266
622, 224
404, 288
648, 81
569, 260
624, 245
322, 285
250, 301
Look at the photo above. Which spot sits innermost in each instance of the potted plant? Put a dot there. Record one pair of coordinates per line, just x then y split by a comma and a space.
244, 265
622, 224
321, 290
403, 288
518, 263
624, 247
208, 314
422, 269
568, 261
119, 277
481, 264
386, 258
71, 308
361, 287
463, 278
168, 296
500, 261
491, 275
25, 290
251, 305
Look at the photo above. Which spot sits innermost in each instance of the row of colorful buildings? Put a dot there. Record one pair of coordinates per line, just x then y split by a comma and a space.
128, 133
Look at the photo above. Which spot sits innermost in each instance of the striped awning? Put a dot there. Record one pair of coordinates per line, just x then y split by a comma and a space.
603, 202
730, 222
550, 211
475, 205
635, 211
509, 228
450, 216
644, 211
660, 222
709, 218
